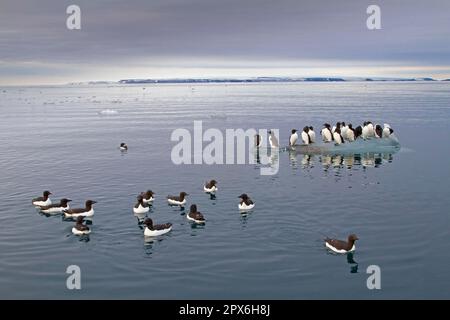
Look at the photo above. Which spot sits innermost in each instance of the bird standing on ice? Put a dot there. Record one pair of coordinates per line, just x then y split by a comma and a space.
293, 138
327, 136
387, 131
273, 141
337, 136
305, 136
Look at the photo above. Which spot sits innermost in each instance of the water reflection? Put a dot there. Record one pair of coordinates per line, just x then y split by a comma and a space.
353, 264
337, 161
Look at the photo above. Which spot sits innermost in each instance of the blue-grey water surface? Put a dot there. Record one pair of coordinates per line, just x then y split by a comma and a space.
398, 204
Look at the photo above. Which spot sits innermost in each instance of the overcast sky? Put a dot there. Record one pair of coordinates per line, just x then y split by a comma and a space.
201, 38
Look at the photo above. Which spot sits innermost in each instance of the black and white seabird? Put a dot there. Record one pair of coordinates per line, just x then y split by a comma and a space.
350, 133
148, 196
246, 203
273, 141
327, 135
210, 186
42, 201
87, 211
177, 200
368, 130
57, 207
340, 246
358, 132
344, 129
80, 228
123, 146
387, 131
293, 138
305, 136
140, 207
194, 215
152, 230
338, 139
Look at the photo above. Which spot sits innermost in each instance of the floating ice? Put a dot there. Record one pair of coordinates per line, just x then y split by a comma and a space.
108, 112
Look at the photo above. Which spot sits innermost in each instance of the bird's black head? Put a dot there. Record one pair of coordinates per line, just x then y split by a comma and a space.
293, 131
64, 201
193, 208
243, 196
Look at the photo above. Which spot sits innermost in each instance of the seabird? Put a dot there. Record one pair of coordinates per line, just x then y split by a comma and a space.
80, 228
273, 141
140, 207
42, 201
327, 135
194, 215
57, 207
177, 200
210, 186
148, 196
87, 211
246, 203
293, 138
152, 230
340, 246
305, 136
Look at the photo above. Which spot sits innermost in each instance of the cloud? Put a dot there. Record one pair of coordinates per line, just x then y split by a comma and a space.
176, 34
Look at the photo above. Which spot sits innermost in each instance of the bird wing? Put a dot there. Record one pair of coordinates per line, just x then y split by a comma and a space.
338, 244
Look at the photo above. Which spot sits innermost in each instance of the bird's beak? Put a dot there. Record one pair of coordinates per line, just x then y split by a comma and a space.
94, 202
68, 200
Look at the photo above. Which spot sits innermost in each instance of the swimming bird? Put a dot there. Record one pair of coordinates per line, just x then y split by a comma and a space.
210, 186
123, 146
378, 131
257, 140
273, 141
338, 139
194, 215
147, 196
57, 207
305, 136
350, 133
340, 246
312, 135
387, 131
140, 207
327, 136
80, 228
177, 200
152, 230
246, 203
87, 211
42, 201
293, 138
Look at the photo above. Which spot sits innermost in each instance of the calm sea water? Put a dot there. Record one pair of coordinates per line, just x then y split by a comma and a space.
398, 204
